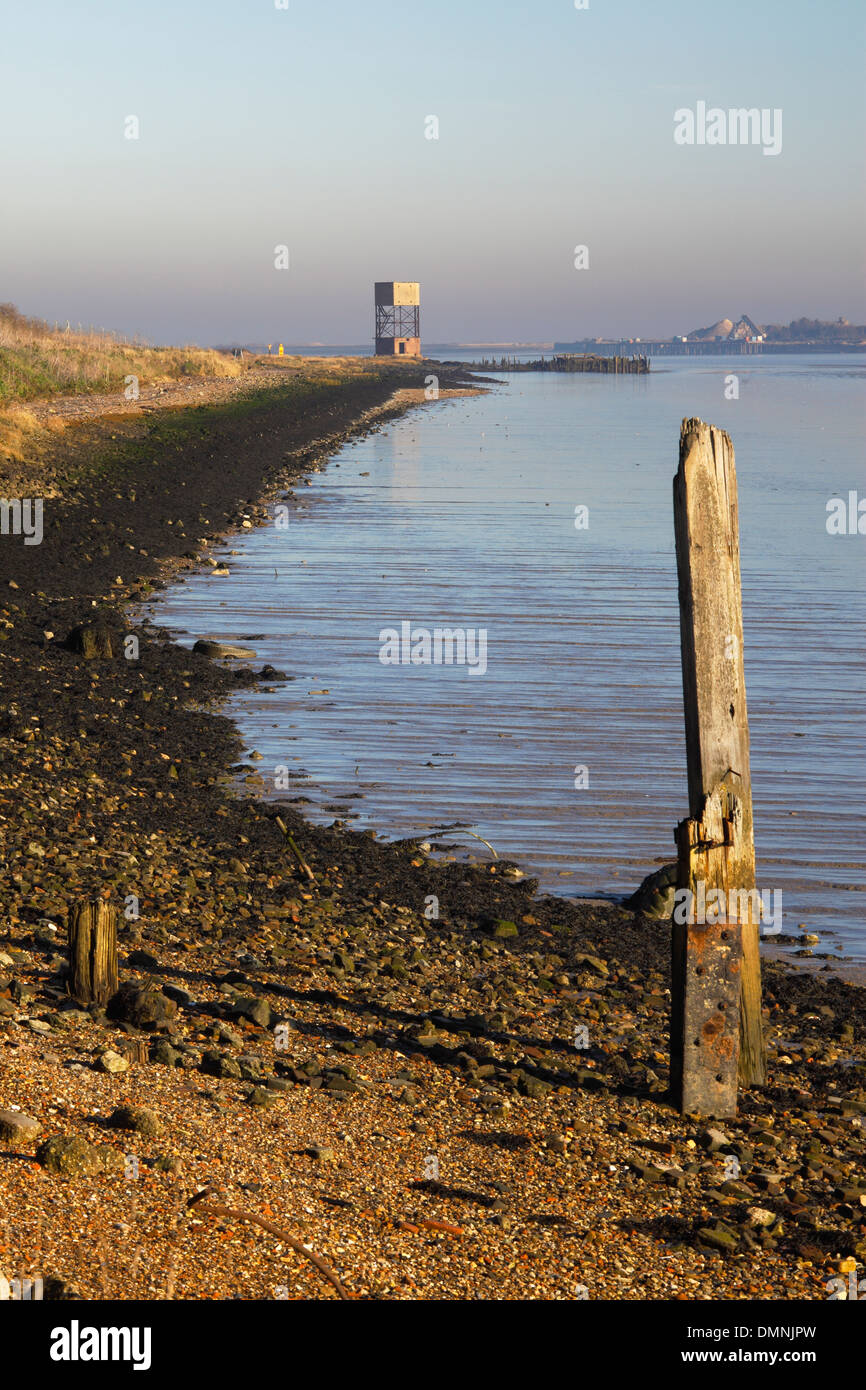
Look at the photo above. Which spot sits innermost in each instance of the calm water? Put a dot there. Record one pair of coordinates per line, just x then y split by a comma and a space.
462, 514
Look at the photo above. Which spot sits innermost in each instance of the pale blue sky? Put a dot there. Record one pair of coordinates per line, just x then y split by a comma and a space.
306, 126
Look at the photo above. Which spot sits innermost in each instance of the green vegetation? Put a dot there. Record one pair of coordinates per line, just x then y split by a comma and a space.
37, 360
815, 331
39, 364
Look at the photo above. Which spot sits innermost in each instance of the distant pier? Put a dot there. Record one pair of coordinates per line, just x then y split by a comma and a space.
710, 347
636, 365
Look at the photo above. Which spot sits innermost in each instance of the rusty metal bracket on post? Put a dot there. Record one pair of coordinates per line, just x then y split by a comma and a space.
707, 954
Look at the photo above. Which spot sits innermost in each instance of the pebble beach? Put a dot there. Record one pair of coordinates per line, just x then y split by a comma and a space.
465, 1104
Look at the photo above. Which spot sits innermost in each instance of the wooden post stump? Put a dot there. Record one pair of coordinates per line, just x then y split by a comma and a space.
136, 1049
716, 1026
93, 952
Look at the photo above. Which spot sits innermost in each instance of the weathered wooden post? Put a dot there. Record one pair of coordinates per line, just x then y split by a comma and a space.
716, 1027
93, 952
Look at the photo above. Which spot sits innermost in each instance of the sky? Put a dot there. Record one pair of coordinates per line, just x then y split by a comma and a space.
307, 127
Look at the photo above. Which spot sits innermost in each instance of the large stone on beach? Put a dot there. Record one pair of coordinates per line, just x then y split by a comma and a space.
588, 962
760, 1217
648, 1172
254, 1010
500, 927
92, 640
112, 1062
337, 1083
719, 1237
137, 1118
217, 649
261, 1096
142, 960
162, 1051
655, 896
713, 1140
17, 1128
215, 1064
143, 1005
74, 1157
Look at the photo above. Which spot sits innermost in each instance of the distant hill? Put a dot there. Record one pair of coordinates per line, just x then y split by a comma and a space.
726, 328
798, 331
722, 329
745, 328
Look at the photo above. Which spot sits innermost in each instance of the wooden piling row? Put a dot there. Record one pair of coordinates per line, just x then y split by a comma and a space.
569, 362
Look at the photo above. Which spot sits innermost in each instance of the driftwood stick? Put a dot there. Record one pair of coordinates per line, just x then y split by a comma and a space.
483, 841
295, 851
217, 1209
437, 835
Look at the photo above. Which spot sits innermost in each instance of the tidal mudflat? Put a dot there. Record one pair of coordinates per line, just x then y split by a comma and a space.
537, 520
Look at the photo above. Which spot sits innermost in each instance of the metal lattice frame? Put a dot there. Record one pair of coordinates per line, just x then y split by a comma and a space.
398, 321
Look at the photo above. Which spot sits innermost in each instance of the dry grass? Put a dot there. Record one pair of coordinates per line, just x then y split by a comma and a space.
54, 378
38, 361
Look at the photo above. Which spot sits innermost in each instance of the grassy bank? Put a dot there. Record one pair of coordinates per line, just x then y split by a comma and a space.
39, 364
64, 397
37, 360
